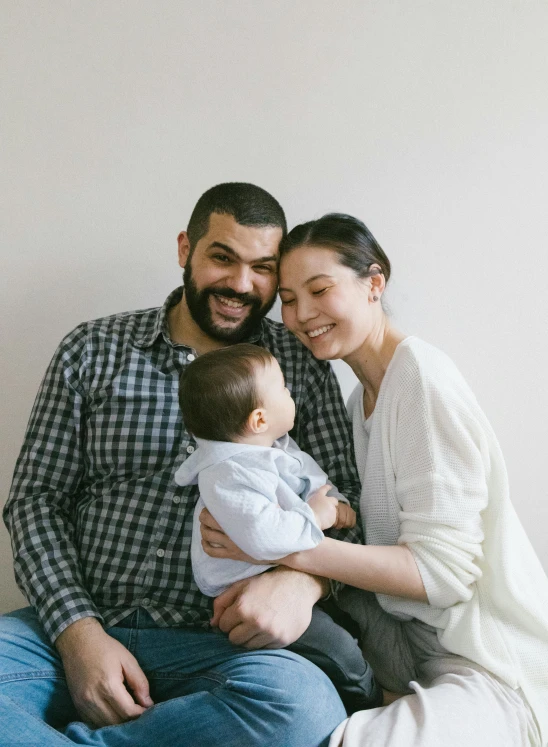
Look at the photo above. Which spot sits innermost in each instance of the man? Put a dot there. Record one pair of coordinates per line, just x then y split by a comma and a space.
101, 532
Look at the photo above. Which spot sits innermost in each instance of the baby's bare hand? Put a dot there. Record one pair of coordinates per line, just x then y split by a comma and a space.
346, 516
324, 507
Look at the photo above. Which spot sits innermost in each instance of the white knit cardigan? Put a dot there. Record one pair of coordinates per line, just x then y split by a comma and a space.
433, 478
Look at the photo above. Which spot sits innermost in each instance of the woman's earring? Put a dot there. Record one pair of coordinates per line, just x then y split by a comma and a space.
375, 298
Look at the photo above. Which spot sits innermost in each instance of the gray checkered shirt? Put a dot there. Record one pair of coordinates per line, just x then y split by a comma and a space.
98, 525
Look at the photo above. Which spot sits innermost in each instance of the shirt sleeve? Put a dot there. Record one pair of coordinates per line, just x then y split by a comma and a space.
323, 430
441, 461
39, 513
244, 503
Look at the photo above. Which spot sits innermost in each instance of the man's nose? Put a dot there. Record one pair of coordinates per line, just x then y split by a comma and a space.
240, 279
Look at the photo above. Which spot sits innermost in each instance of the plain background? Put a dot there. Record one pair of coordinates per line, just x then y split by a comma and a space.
429, 120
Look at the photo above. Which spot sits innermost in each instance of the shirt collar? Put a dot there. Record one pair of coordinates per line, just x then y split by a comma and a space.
161, 327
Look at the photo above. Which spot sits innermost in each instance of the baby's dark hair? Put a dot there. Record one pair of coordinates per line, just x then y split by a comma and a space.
217, 391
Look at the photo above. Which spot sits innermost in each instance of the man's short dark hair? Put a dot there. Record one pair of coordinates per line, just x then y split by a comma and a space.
218, 392
248, 204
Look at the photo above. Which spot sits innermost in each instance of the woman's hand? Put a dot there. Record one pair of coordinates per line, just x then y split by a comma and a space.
217, 544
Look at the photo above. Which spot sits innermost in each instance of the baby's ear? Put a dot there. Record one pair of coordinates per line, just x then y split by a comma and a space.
257, 421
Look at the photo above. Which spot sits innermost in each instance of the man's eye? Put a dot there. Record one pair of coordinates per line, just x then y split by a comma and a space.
221, 258
266, 269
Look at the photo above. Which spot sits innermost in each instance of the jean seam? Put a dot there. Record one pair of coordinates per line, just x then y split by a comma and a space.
57, 733
34, 675
132, 640
177, 676
159, 705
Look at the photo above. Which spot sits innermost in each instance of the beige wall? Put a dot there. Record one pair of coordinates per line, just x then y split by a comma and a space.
427, 119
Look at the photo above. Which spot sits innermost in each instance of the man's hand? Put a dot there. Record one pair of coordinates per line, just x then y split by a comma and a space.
346, 516
268, 611
105, 681
324, 507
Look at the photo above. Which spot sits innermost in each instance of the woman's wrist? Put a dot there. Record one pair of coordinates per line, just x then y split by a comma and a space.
292, 561
303, 560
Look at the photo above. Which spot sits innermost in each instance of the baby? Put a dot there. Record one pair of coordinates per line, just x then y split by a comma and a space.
262, 490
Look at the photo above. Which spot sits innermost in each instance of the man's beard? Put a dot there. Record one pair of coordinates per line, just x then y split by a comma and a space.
197, 302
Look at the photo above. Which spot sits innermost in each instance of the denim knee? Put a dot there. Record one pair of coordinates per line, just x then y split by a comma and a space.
286, 694
24, 646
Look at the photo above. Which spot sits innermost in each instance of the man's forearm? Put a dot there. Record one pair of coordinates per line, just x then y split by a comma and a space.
73, 635
316, 586
47, 569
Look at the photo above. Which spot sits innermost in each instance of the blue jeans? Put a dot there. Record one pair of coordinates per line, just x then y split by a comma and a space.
206, 691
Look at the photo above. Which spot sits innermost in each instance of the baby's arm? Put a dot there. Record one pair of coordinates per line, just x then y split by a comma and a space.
243, 501
331, 511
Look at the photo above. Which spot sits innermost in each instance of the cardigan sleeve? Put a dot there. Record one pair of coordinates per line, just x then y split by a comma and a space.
440, 458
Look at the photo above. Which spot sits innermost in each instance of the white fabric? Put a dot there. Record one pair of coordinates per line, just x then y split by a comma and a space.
452, 702
433, 477
258, 495
460, 707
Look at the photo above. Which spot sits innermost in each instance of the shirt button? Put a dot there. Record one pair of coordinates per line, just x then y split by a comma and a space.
145, 601
160, 553
190, 357
176, 499
189, 449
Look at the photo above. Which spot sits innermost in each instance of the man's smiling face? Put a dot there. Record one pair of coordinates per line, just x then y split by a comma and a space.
230, 277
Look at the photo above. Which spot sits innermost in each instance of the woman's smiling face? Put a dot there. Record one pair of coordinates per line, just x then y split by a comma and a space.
324, 303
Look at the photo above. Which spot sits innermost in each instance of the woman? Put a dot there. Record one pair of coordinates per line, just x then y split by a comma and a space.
450, 598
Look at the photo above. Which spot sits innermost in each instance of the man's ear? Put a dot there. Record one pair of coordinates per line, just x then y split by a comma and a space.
257, 421
183, 245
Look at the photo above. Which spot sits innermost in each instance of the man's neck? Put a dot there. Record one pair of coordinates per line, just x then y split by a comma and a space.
183, 330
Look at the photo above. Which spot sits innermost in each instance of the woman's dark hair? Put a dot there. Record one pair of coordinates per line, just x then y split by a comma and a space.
352, 241
218, 393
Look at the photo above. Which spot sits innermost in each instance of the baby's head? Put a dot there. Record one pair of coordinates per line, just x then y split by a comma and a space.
236, 394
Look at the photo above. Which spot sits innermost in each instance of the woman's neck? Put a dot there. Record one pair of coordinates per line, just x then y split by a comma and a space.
370, 361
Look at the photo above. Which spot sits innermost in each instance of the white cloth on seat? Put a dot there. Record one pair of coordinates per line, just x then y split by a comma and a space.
452, 700
461, 707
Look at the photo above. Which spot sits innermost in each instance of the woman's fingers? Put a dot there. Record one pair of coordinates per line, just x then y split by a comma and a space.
206, 519
214, 537
216, 550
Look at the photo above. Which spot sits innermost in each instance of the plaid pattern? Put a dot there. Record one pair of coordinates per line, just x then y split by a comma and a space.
98, 525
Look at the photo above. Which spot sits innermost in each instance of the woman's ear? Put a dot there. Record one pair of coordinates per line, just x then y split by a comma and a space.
378, 283
257, 421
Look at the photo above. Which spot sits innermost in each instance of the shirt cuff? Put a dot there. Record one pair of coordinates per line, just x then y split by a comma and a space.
59, 614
